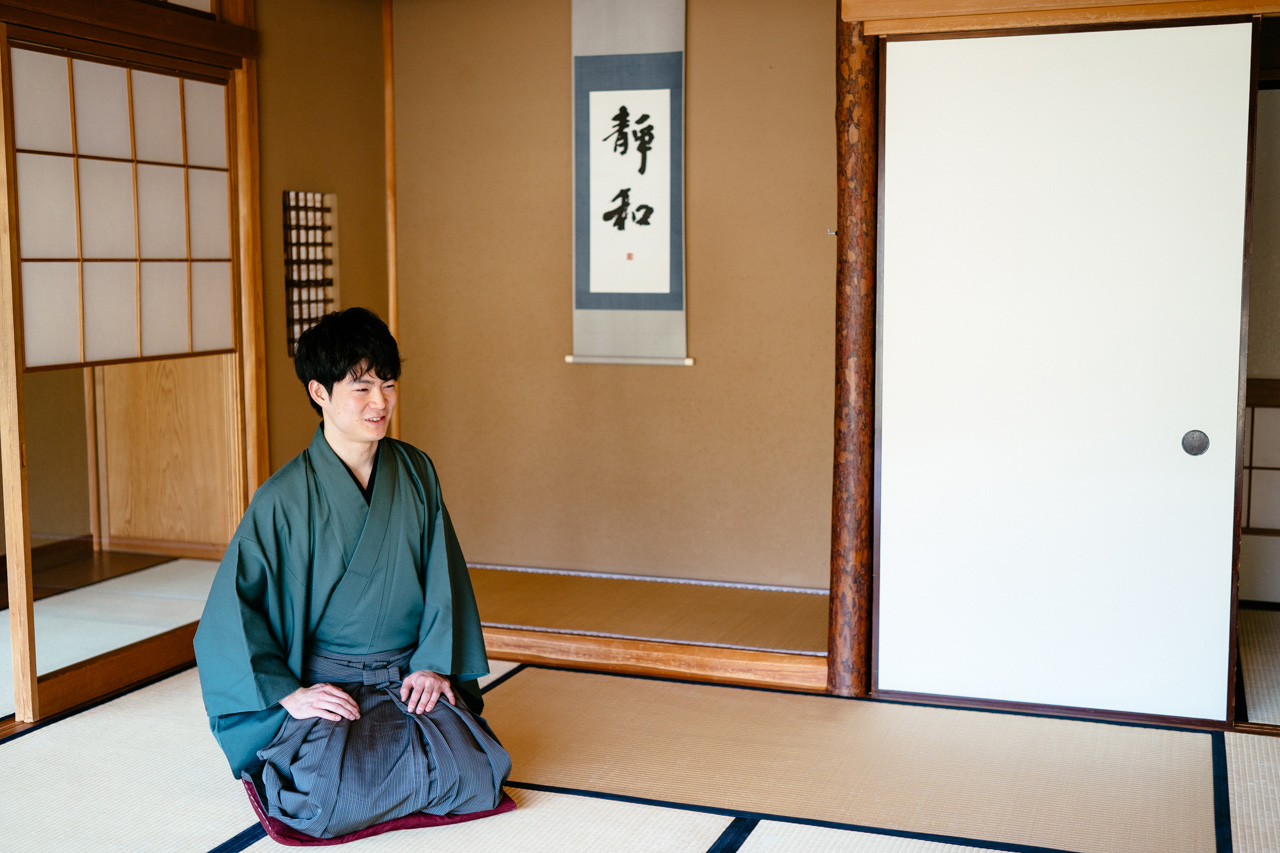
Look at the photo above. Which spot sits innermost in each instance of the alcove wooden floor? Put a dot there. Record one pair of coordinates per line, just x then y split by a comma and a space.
717, 632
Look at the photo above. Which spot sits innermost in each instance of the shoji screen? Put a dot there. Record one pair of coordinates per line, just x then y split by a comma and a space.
124, 218
1063, 234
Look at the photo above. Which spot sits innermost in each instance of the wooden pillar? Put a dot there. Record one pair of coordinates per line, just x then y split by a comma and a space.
13, 440
857, 140
389, 136
253, 356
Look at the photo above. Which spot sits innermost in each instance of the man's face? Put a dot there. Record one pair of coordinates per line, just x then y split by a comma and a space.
358, 409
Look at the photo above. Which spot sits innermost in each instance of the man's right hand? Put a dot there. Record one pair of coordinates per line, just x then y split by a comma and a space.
321, 700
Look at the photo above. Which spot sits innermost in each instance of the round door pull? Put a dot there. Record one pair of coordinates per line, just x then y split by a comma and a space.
1195, 442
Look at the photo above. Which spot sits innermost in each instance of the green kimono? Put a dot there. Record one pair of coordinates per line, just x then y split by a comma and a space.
312, 568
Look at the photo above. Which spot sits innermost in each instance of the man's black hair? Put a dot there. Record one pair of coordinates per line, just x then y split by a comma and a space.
345, 343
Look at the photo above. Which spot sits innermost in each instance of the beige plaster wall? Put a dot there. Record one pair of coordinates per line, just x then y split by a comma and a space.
720, 471
320, 85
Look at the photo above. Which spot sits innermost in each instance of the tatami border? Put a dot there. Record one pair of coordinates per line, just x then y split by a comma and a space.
731, 840
801, 821
240, 841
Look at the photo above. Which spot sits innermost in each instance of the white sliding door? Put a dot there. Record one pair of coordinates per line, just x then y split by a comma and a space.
1063, 235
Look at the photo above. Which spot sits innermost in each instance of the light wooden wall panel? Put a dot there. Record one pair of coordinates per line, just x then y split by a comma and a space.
171, 454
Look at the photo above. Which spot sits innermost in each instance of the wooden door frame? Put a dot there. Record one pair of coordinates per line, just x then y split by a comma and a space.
852, 652
171, 39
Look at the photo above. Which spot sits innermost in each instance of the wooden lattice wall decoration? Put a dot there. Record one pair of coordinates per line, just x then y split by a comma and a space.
310, 260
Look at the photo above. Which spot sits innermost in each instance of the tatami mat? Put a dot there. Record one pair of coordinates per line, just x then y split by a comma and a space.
78, 624
1253, 765
140, 773
732, 617
1259, 633
773, 837
960, 775
556, 823
143, 773
497, 669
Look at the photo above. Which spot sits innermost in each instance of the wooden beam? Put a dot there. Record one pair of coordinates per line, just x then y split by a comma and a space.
137, 24
857, 140
887, 10
641, 657
389, 135
130, 50
1094, 16
13, 441
878, 10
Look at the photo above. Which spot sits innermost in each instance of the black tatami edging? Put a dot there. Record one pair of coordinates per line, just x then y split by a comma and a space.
241, 840
502, 678
730, 841
1221, 793
981, 844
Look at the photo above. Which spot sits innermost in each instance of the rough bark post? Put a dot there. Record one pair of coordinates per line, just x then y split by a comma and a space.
857, 142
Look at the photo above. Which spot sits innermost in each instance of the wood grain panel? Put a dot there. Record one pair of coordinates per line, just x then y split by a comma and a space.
171, 450
857, 141
637, 657
1068, 17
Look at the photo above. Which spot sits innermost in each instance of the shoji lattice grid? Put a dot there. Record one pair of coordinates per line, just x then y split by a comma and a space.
124, 216
310, 259
1261, 469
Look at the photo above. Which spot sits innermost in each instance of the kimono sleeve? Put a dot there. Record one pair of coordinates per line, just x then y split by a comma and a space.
450, 639
240, 642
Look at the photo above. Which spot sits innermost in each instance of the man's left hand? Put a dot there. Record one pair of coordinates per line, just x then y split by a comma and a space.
420, 690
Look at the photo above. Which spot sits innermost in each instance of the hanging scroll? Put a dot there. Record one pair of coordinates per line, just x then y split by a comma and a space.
628, 155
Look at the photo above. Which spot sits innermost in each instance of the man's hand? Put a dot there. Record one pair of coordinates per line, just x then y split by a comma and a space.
421, 689
321, 700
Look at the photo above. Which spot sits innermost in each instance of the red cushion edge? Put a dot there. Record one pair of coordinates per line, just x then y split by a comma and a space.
282, 833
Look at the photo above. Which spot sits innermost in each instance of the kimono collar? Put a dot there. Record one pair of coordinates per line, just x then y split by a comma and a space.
336, 477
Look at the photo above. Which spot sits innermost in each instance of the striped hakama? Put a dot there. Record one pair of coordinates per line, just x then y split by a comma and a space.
330, 778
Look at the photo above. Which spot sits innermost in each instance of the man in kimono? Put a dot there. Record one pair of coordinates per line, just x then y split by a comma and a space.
340, 644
